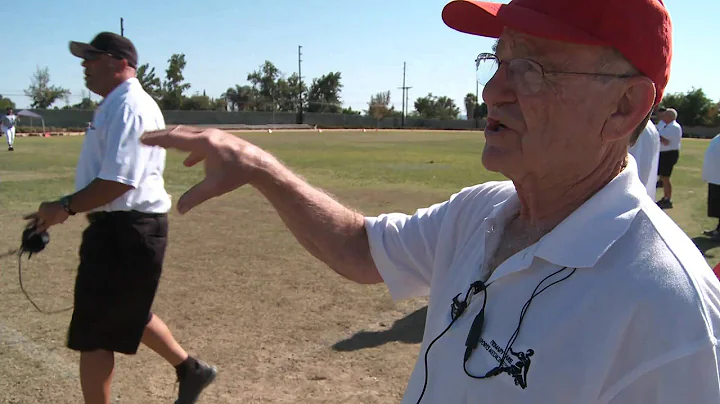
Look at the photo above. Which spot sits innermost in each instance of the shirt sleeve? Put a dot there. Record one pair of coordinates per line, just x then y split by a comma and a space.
125, 157
639, 151
403, 248
691, 378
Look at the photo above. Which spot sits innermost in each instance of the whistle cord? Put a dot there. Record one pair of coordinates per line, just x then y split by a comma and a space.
32, 243
22, 288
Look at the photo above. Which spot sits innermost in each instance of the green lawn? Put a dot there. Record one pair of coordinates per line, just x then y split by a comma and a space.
432, 163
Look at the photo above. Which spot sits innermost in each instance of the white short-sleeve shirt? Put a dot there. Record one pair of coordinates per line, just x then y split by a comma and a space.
711, 162
673, 133
112, 150
8, 121
646, 152
636, 322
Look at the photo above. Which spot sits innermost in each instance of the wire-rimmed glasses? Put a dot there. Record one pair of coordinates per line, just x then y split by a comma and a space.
527, 76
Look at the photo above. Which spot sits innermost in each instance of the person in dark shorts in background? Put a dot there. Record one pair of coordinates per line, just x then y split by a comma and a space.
670, 138
119, 183
711, 175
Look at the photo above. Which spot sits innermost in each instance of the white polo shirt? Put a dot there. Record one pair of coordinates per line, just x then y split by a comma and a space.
672, 132
8, 121
112, 150
711, 163
637, 322
646, 152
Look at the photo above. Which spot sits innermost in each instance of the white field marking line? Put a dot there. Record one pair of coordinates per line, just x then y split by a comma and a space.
51, 361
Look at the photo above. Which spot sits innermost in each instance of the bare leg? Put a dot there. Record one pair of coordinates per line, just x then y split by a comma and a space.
157, 337
667, 188
96, 372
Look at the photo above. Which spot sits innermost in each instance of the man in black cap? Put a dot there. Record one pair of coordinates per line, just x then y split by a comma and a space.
119, 183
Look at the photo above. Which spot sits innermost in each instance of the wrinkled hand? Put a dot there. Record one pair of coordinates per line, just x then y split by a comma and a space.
664, 141
49, 214
230, 162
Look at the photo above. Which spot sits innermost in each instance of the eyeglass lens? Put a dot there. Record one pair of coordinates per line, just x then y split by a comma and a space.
525, 75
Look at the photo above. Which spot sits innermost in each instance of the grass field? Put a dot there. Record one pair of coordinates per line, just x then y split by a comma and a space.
238, 291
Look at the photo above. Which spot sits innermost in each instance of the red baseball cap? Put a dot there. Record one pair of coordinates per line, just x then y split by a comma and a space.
640, 30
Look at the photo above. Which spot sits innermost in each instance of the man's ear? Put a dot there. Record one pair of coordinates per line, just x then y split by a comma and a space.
631, 109
118, 65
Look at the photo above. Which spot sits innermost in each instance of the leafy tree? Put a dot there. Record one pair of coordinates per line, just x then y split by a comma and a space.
174, 85
198, 103
42, 94
324, 94
287, 94
219, 104
350, 111
470, 103
151, 83
265, 82
240, 98
6, 103
694, 108
434, 107
481, 111
379, 106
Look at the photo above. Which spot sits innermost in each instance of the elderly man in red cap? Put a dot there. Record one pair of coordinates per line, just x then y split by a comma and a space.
564, 284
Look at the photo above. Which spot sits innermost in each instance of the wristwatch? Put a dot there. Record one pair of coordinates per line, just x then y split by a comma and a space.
65, 202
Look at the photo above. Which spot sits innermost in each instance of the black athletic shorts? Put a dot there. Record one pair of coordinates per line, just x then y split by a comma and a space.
713, 202
121, 257
667, 161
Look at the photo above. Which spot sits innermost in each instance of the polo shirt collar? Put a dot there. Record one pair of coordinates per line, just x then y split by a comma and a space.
582, 238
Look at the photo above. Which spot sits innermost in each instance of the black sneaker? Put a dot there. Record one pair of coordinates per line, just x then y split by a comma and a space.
664, 204
194, 382
10, 148
713, 234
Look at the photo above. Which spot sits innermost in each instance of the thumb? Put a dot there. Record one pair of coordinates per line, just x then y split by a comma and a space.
196, 195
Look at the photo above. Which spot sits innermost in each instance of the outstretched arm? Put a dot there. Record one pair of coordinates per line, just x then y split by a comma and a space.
331, 232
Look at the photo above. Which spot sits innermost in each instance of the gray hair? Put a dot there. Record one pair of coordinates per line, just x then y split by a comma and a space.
673, 113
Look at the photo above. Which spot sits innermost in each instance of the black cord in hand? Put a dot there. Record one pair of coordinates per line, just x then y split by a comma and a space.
32, 243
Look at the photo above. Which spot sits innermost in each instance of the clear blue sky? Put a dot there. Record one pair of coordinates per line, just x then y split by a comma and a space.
367, 41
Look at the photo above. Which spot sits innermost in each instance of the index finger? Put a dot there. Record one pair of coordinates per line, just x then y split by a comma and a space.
179, 137
31, 216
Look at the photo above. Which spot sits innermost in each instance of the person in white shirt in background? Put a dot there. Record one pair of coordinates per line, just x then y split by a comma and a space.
119, 185
646, 152
711, 175
670, 139
7, 126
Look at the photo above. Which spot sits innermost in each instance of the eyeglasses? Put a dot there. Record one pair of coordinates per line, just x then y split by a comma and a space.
527, 76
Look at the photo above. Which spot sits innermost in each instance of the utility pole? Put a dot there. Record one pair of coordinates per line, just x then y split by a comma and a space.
477, 97
404, 97
122, 28
300, 103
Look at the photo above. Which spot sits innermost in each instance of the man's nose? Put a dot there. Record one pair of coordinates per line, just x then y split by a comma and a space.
499, 89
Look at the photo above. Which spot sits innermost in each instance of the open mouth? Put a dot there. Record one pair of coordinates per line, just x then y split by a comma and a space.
494, 125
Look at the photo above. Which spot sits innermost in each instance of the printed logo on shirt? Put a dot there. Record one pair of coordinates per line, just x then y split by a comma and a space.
516, 365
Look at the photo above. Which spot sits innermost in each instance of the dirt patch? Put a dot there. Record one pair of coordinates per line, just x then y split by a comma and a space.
239, 292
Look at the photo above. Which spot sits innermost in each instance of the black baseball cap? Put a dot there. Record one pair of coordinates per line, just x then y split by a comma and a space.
106, 43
